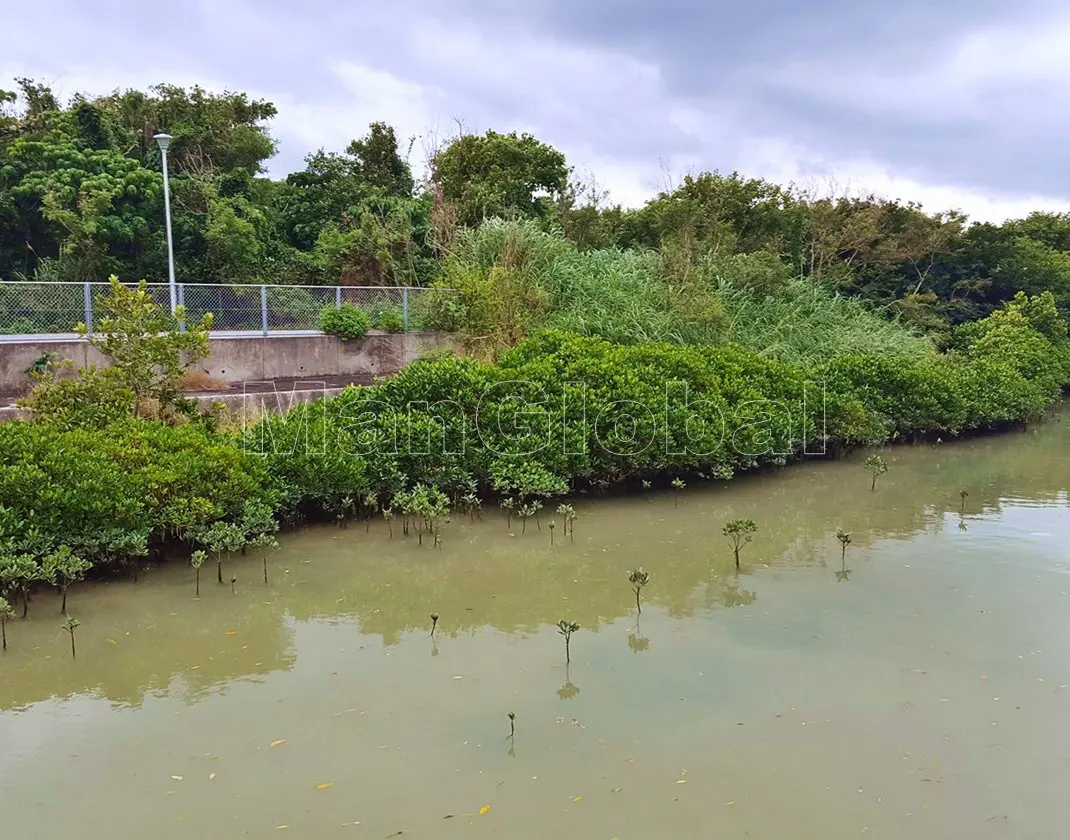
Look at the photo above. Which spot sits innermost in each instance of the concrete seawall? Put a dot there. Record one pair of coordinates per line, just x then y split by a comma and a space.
242, 362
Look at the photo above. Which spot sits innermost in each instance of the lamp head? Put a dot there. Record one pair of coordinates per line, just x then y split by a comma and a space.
163, 141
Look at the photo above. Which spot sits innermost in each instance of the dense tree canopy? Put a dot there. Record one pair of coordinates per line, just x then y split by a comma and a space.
81, 198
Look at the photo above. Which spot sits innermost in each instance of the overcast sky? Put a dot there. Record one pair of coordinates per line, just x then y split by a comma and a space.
955, 103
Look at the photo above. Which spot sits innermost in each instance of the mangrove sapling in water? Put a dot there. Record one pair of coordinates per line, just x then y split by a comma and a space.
568, 514
512, 724
638, 578
233, 585
552, 524
6, 614
71, 624
877, 466
678, 484
62, 568
566, 629
219, 538
739, 533
196, 559
434, 624
962, 495
508, 504
388, 517
266, 543
18, 572
845, 540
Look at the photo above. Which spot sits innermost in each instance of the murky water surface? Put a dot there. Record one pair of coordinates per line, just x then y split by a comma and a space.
922, 695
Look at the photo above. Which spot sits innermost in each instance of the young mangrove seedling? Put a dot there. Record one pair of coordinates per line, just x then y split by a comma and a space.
568, 514
566, 629
877, 466
233, 583
552, 524
508, 505
845, 540
962, 495
638, 578
678, 484
388, 516
71, 624
6, 614
646, 484
434, 623
197, 560
62, 568
512, 724
266, 542
739, 533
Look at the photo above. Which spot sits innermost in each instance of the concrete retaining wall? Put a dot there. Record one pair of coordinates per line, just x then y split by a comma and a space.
249, 359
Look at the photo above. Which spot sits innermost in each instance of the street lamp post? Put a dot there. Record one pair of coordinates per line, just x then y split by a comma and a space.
163, 141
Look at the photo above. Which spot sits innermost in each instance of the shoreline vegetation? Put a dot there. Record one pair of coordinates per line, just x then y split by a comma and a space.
727, 325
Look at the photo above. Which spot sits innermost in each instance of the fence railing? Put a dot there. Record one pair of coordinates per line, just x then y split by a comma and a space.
54, 309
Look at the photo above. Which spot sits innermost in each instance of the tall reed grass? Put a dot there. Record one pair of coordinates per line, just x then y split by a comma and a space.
515, 278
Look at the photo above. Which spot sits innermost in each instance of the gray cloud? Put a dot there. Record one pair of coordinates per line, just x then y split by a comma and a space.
950, 101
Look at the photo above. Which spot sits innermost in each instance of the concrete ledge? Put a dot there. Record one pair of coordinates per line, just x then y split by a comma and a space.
237, 359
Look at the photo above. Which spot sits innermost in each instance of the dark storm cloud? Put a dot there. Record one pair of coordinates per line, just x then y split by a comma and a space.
737, 51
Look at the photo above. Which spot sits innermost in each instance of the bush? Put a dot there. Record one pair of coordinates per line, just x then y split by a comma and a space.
560, 411
348, 322
86, 487
95, 398
389, 318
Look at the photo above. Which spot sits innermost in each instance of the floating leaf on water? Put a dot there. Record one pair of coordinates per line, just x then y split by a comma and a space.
280, 827
112, 642
484, 810
232, 633
177, 778
324, 785
278, 742
681, 781
577, 799
211, 776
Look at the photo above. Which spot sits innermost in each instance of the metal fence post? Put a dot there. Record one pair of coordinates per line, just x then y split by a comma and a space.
337, 297
263, 309
405, 307
88, 296
182, 302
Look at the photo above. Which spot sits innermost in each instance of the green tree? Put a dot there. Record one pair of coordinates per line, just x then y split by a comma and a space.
144, 342
498, 175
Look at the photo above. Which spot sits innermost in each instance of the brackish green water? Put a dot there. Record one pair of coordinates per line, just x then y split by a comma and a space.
925, 696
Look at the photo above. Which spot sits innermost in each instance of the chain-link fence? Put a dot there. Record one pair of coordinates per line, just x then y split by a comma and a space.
33, 308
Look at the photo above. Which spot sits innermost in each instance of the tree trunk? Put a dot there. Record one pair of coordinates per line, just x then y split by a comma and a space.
198, 587
74, 653
3, 633
265, 568
25, 602
873, 486
219, 568
736, 551
638, 608
63, 608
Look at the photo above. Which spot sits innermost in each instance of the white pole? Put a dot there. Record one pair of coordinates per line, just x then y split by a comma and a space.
164, 140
